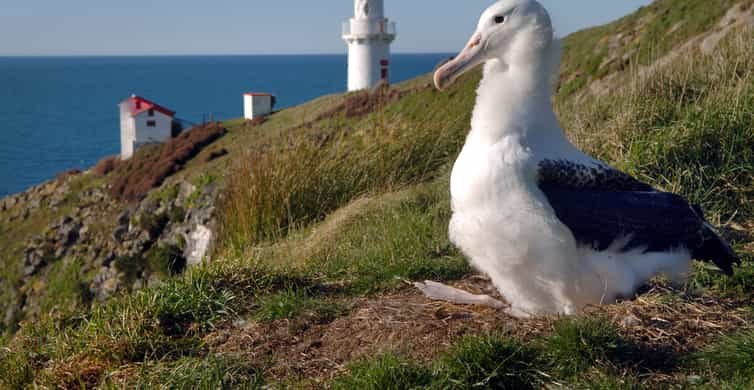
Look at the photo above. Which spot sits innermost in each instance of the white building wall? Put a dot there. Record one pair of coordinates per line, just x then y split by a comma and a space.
127, 131
256, 105
364, 69
159, 133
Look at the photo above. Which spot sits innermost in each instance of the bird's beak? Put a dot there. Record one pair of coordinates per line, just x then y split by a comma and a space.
469, 57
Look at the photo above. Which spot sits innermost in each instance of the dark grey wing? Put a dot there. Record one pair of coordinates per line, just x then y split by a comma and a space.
600, 205
568, 174
653, 221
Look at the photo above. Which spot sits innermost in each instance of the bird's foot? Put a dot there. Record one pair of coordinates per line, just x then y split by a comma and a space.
441, 292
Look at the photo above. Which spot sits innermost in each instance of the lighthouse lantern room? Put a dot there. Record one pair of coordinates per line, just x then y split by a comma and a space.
368, 35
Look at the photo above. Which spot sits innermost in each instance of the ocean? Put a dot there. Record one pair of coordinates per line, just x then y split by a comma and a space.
60, 113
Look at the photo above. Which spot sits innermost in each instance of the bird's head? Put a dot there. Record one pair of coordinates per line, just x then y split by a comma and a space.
509, 31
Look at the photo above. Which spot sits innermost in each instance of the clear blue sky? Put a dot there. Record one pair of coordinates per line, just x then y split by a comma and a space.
106, 27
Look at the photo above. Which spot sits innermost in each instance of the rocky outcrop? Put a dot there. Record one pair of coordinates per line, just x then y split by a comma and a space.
154, 224
119, 246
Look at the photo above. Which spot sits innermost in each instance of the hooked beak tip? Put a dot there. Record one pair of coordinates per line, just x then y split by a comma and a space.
454, 67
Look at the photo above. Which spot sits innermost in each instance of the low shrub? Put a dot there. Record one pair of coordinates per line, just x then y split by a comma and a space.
152, 164
106, 165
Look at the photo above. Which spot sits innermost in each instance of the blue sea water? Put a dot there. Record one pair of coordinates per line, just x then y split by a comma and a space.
59, 113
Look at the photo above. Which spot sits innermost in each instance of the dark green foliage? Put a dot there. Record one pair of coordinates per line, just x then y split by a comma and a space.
385, 372
153, 223
131, 267
177, 214
195, 301
165, 260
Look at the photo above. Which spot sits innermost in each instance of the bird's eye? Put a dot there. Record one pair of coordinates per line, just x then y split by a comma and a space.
499, 19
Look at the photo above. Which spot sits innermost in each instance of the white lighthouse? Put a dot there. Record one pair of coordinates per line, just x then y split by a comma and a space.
369, 35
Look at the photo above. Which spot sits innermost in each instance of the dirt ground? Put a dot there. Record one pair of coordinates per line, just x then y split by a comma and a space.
663, 321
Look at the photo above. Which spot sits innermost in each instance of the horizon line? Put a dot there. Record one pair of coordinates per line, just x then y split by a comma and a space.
200, 55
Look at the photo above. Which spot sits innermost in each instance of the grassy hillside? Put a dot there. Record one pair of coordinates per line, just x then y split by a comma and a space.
640, 39
329, 209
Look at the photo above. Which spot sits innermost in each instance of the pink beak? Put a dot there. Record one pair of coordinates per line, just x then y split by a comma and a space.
469, 57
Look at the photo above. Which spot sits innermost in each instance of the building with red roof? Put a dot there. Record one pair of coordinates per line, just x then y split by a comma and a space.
143, 122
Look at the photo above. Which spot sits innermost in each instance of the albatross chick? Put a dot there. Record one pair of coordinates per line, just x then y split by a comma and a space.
554, 229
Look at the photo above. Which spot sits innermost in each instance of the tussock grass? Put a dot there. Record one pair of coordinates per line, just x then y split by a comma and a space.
153, 324
299, 180
379, 241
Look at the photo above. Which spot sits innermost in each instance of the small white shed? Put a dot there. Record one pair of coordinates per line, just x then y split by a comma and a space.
257, 104
142, 122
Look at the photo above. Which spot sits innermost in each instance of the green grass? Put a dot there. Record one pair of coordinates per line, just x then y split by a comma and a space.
476, 362
576, 344
385, 372
65, 290
647, 35
731, 357
194, 373
489, 362
495, 361
300, 307
398, 239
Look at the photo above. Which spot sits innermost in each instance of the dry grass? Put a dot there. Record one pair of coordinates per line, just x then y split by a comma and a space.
316, 169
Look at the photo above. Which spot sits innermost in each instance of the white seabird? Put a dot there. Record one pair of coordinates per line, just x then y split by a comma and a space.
553, 228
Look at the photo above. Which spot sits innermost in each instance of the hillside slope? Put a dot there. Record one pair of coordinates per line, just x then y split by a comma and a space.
325, 211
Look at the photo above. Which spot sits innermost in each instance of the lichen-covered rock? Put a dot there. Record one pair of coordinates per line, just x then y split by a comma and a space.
34, 260
105, 283
198, 244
